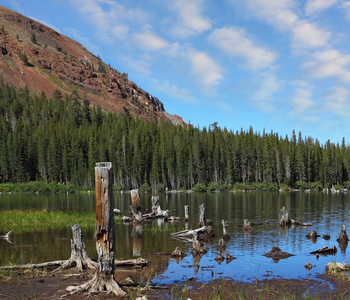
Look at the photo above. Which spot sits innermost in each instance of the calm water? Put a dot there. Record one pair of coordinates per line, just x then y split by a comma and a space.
153, 241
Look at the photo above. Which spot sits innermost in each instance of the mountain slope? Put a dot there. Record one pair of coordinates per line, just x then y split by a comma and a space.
36, 56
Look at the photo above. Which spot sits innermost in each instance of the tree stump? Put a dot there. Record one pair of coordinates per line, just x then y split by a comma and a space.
79, 257
103, 280
136, 206
284, 217
155, 204
202, 221
187, 214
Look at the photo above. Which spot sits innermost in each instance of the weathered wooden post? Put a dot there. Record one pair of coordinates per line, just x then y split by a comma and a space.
103, 279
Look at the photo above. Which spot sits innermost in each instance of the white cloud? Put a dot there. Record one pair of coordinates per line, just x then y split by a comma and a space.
277, 13
335, 92
346, 7
175, 91
329, 63
309, 35
204, 68
302, 101
315, 6
234, 42
268, 85
190, 20
148, 40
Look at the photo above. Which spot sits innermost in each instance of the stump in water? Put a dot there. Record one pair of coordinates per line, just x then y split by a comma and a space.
284, 217
79, 256
103, 279
187, 214
202, 221
155, 204
136, 206
246, 225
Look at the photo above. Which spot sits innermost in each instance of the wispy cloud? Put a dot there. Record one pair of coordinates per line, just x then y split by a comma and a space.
315, 6
330, 63
175, 91
207, 72
308, 35
302, 101
235, 42
190, 20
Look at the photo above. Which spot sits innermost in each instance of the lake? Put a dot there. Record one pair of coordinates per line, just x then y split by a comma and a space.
153, 241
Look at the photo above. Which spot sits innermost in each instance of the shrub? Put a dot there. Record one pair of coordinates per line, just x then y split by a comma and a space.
199, 187
145, 187
316, 186
212, 187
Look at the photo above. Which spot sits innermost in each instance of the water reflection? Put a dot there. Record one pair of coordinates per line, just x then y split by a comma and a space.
327, 213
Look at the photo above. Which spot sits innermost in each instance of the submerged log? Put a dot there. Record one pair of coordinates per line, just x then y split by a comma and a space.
103, 279
276, 253
325, 250
229, 258
79, 257
312, 236
178, 253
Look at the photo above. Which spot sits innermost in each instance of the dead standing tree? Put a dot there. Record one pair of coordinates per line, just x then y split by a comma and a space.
79, 256
103, 279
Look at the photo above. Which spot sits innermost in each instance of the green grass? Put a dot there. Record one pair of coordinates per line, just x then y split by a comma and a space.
31, 220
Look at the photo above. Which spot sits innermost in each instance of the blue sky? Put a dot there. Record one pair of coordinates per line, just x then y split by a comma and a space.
271, 64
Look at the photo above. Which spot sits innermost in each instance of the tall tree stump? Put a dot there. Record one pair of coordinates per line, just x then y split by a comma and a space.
103, 280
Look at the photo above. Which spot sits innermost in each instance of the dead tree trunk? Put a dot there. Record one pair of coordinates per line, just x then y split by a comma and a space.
187, 214
103, 280
284, 217
79, 256
202, 221
136, 206
155, 204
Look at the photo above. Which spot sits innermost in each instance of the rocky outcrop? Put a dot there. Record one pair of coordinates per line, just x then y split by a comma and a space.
35, 56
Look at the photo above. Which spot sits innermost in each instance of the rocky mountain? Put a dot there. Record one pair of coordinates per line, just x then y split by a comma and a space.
36, 56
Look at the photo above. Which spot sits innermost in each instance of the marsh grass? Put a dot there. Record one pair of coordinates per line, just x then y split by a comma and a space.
32, 220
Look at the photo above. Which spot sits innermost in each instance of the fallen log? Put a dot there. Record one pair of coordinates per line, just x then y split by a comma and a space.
51, 264
139, 262
325, 250
189, 233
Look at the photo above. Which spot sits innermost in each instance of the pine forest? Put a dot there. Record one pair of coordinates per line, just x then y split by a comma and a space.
60, 139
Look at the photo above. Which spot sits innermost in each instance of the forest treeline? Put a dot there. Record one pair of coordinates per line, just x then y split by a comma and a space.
60, 139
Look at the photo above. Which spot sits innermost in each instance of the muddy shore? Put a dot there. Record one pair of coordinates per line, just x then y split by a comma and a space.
35, 284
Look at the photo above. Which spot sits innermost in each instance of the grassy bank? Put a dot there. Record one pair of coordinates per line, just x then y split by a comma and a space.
32, 220
41, 187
